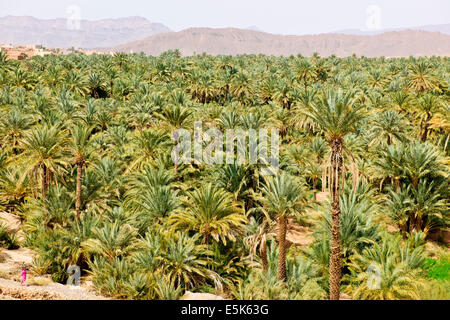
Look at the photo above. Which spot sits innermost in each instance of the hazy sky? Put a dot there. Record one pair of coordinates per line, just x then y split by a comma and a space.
281, 16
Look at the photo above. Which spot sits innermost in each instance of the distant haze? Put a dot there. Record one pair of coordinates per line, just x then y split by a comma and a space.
279, 17
137, 34
239, 41
59, 33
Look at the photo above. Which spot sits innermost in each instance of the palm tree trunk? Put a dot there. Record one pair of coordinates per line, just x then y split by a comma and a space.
43, 181
335, 256
282, 224
314, 188
425, 129
176, 159
263, 255
419, 224
79, 187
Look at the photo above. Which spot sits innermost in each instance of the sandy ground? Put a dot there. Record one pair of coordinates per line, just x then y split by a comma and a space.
10, 289
11, 263
296, 235
200, 296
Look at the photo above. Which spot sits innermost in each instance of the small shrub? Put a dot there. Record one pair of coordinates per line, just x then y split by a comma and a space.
438, 269
39, 281
8, 240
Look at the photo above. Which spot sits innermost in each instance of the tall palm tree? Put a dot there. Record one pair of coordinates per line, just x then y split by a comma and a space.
43, 148
305, 72
337, 114
111, 74
428, 106
281, 198
80, 147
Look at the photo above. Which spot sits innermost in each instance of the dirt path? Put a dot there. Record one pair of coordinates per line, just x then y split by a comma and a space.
40, 287
10, 289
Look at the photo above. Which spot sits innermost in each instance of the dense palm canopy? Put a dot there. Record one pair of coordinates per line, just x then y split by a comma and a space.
210, 212
86, 162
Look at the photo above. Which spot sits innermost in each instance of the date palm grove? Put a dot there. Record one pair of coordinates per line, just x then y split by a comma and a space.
85, 163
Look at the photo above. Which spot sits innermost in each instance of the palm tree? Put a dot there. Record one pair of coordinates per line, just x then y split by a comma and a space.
210, 212
112, 240
258, 233
387, 126
148, 144
357, 226
23, 79
305, 72
83, 230
389, 164
13, 189
184, 261
336, 113
176, 117
96, 85
418, 209
111, 74
151, 195
12, 127
234, 179
241, 87
43, 148
75, 83
420, 78
428, 106
281, 198
387, 271
80, 147
318, 148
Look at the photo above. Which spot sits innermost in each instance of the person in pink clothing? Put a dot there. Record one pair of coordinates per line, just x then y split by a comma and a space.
24, 277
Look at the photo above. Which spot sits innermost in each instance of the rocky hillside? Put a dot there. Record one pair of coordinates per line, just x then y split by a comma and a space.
238, 41
92, 34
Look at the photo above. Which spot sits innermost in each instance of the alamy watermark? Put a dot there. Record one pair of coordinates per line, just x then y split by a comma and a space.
73, 21
239, 146
374, 279
373, 22
75, 274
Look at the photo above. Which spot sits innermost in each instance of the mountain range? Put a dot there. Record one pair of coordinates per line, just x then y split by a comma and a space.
238, 41
59, 33
137, 34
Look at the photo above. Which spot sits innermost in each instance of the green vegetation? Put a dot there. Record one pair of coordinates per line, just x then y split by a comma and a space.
438, 269
8, 239
85, 161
